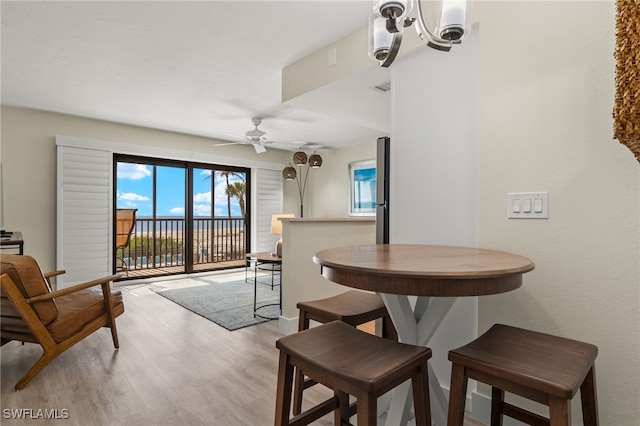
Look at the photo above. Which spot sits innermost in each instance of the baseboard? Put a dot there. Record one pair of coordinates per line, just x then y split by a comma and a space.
288, 325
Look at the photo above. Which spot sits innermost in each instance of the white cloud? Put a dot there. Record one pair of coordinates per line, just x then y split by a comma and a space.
132, 196
177, 210
221, 196
133, 171
202, 197
202, 210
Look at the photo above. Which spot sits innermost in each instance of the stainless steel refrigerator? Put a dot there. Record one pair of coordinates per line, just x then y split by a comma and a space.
382, 191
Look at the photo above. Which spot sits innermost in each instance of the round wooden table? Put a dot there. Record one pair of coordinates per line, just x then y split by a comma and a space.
437, 275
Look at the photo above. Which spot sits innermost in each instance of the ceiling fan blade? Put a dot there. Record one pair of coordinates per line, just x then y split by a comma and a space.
242, 138
228, 143
254, 137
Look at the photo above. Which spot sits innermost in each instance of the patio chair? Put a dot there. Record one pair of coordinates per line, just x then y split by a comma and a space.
125, 222
56, 320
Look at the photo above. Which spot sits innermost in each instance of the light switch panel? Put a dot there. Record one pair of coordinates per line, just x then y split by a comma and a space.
528, 205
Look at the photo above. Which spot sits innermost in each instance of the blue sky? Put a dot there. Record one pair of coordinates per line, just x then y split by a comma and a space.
135, 190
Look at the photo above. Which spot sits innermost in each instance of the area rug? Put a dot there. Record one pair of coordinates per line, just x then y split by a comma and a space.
228, 304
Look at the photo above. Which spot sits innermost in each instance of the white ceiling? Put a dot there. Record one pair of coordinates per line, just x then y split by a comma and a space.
202, 68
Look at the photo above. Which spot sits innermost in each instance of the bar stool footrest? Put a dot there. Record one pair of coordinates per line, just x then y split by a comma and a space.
523, 415
314, 413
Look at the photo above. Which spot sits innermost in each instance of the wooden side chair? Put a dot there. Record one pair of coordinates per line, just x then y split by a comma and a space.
56, 320
353, 307
350, 362
540, 367
125, 223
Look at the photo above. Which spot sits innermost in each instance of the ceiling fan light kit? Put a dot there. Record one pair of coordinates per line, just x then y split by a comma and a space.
390, 17
255, 133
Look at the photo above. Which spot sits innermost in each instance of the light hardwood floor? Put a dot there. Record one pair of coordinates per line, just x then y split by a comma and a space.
173, 368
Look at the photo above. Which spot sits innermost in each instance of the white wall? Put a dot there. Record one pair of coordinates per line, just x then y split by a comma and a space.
547, 84
434, 169
327, 193
301, 239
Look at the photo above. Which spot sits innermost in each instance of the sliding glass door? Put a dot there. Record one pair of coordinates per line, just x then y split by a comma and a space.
189, 216
219, 213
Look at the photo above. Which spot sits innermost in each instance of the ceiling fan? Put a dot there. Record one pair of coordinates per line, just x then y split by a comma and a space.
254, 137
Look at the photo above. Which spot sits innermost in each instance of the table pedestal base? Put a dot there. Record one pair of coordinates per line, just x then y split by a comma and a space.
416, 326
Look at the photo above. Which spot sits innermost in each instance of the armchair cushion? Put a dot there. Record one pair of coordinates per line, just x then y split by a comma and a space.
25, 272
77, 309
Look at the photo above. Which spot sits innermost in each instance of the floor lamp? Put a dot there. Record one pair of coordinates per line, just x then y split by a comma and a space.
300, 159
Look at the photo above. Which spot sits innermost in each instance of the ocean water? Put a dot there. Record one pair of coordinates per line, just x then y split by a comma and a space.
146, 224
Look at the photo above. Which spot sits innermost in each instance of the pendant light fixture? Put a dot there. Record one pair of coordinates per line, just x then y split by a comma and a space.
390, 17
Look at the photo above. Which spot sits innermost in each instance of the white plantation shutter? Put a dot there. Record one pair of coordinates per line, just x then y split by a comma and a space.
268, 201
83, 222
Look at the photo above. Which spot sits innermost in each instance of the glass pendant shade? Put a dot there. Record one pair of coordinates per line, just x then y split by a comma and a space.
289, 173
454, 22
300, 158
380, 40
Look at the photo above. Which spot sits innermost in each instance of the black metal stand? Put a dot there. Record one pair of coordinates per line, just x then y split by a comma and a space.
274, 267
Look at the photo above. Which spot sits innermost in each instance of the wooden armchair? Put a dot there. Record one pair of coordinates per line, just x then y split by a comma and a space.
56, 320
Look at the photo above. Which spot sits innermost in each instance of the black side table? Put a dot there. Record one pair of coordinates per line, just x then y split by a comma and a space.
266, 262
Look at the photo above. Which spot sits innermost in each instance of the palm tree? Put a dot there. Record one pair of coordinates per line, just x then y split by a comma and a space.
237, 190
226, 174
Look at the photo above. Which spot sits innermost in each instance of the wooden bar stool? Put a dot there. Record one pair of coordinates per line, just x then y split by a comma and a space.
351, 362
352, 307
540, 367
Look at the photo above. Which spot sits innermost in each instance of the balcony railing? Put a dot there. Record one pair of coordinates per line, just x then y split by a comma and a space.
161, 243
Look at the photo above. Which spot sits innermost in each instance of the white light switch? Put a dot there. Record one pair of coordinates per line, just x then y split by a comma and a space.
516, 206
537, 205
528, 205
